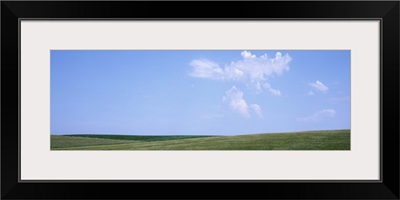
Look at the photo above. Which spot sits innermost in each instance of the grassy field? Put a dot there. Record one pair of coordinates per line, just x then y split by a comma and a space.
309, 140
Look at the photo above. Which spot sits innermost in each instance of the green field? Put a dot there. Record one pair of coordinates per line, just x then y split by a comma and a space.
308, 140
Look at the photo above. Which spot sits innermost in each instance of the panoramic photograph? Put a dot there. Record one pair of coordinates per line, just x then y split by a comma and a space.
200, 100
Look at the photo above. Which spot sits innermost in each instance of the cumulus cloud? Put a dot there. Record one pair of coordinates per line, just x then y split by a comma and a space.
250, 69
257, 109
236, 102
247, 54
234, 97
271, 90
318, 116
319, 86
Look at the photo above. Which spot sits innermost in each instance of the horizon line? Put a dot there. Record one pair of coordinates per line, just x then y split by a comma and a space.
67, 134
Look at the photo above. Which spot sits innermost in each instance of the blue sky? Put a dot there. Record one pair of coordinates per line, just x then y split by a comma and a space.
198, 92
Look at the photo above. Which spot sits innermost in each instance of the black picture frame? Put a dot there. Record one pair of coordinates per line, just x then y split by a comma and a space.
386, 11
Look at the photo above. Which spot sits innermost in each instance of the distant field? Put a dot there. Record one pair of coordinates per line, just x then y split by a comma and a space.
310, 140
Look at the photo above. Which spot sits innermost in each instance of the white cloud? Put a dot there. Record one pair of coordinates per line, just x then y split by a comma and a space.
234, 97
271, 90
318, 116
247, 54
257, 109
206, 69
236, 102
310, 93
319, 86
250, 69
